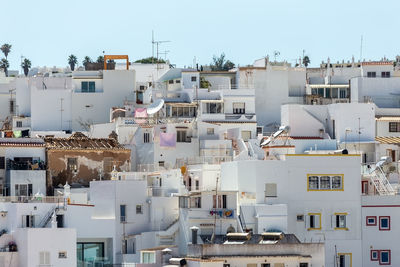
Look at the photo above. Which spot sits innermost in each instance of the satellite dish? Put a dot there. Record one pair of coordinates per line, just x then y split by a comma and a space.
155, 106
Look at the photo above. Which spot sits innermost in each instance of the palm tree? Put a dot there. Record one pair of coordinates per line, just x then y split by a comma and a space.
6, 49
86, 61
4, 65
72, 61
26, 65
100, 59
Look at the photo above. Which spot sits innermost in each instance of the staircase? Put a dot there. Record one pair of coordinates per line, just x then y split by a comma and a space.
381, 183
47, 218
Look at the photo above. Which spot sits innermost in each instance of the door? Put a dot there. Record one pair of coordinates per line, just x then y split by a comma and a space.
364, 187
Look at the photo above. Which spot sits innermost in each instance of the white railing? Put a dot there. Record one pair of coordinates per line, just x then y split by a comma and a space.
378, 178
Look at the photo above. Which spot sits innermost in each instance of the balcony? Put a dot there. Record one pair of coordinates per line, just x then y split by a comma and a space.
32, 199
25, 165
160, 191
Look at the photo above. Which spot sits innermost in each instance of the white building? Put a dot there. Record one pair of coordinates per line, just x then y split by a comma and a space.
315, 197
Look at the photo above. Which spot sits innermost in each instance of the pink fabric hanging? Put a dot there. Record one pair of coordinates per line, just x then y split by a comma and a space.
140, 113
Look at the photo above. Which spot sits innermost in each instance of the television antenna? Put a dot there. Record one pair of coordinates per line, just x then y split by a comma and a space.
276, 54
157, 43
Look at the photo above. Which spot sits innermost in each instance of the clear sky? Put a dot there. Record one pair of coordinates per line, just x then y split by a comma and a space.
47, 31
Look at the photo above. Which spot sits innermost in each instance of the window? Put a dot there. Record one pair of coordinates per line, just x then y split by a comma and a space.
328, 92
313, 182
265, 265
325, 182
300, 218
385, 74
171, 81
394, 127
142, 87
146, 137
303, 264
224, 201
371, 221
221, 203
12, 106
108, 163
62, 254
19, 123
195, 202
314, 221
139, 97
88, 87
374, 255
213, 108
2, 163
226, 265
23, 190
344, 259
90, 250
384, 257
92, 87
384, 223
139, 209
148, 257
210, 131
44, 258
371, 74
340, 221
343, 93
72, 164
28, 221
270, 190
238, 108
122, 213
194, 78
334, 92
181, 136
177, 81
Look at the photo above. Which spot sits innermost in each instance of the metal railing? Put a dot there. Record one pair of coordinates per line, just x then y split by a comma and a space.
32, 199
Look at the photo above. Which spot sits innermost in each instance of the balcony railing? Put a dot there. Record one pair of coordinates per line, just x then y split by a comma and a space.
32, 199
25, 165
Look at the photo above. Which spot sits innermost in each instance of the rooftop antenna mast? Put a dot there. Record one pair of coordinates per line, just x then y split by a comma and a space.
157, 43
361, 48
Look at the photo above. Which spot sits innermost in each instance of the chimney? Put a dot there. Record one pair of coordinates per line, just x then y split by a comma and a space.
194, 234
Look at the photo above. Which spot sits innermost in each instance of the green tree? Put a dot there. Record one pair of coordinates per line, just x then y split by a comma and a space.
86, 61
220, 64
306, 61
4, 65
149, 60
72, 61
204, 83
26, 65
6, 49
100, 59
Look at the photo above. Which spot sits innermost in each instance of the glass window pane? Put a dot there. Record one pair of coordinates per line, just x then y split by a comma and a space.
334, 92
384, 256
92, 86
337, 182
313, 182
325, 182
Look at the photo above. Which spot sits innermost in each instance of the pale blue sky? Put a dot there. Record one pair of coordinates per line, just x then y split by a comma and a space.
47, 31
